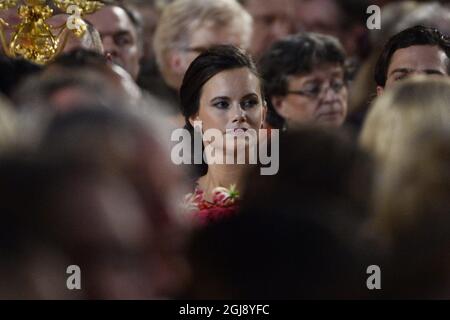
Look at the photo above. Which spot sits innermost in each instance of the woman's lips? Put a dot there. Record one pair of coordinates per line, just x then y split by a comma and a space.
237, 131
240, 130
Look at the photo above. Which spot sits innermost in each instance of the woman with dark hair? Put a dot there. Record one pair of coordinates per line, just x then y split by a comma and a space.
222, 92
305, 81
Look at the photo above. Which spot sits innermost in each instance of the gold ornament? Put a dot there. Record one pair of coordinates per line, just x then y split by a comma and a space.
7, 4
33, 38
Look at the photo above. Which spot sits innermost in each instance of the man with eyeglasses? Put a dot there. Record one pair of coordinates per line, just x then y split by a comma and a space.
305, 81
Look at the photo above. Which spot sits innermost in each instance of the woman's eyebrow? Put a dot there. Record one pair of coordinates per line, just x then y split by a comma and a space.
250, 95
219, 98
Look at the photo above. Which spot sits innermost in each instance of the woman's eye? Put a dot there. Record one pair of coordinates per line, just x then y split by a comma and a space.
221, 105
250, 104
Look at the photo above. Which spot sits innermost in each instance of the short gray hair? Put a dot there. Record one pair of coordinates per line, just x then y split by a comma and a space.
181, 17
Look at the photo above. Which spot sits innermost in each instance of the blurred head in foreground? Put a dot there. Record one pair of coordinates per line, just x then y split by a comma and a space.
299, 234
412, 205
98, 193
402, 111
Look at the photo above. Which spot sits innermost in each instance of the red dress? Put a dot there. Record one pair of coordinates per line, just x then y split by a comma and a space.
224, 204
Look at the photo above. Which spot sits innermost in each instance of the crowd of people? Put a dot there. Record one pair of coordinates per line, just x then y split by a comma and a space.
226, 149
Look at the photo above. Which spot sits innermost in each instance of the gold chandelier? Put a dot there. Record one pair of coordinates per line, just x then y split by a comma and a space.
33, 38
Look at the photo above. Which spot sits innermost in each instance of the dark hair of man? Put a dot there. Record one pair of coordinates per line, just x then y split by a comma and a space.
418, 35
296, 55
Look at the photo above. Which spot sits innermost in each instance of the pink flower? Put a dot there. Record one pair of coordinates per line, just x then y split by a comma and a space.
224, 204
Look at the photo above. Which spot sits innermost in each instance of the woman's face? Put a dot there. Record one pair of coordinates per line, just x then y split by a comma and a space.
231, 101
319, 97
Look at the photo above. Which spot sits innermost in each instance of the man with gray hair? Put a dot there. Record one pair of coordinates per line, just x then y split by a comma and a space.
188, 27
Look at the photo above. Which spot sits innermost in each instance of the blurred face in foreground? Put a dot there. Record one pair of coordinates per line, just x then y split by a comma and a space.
120, 228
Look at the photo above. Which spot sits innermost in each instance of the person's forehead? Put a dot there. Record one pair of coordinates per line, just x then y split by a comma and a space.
228, 82
209, 35
318, 10
263, 7
111, 19
418, 57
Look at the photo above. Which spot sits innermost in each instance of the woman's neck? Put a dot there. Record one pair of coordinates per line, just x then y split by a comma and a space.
222, 176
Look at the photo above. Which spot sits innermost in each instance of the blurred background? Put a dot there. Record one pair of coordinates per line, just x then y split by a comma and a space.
86, 176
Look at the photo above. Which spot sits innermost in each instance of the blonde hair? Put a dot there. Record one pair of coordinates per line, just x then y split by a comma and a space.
406, 131
399, 113
182, 17
413, 193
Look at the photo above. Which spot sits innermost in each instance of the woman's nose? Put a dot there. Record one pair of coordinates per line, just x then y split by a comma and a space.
240, 114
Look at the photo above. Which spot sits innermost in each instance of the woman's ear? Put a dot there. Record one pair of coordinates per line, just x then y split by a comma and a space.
194, 119
380, 91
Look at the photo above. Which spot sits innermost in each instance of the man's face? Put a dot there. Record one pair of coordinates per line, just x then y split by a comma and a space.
119, 37
273, 20
321, 16
203, 38
420, 59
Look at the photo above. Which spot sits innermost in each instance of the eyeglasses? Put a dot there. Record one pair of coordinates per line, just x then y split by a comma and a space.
315, 90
